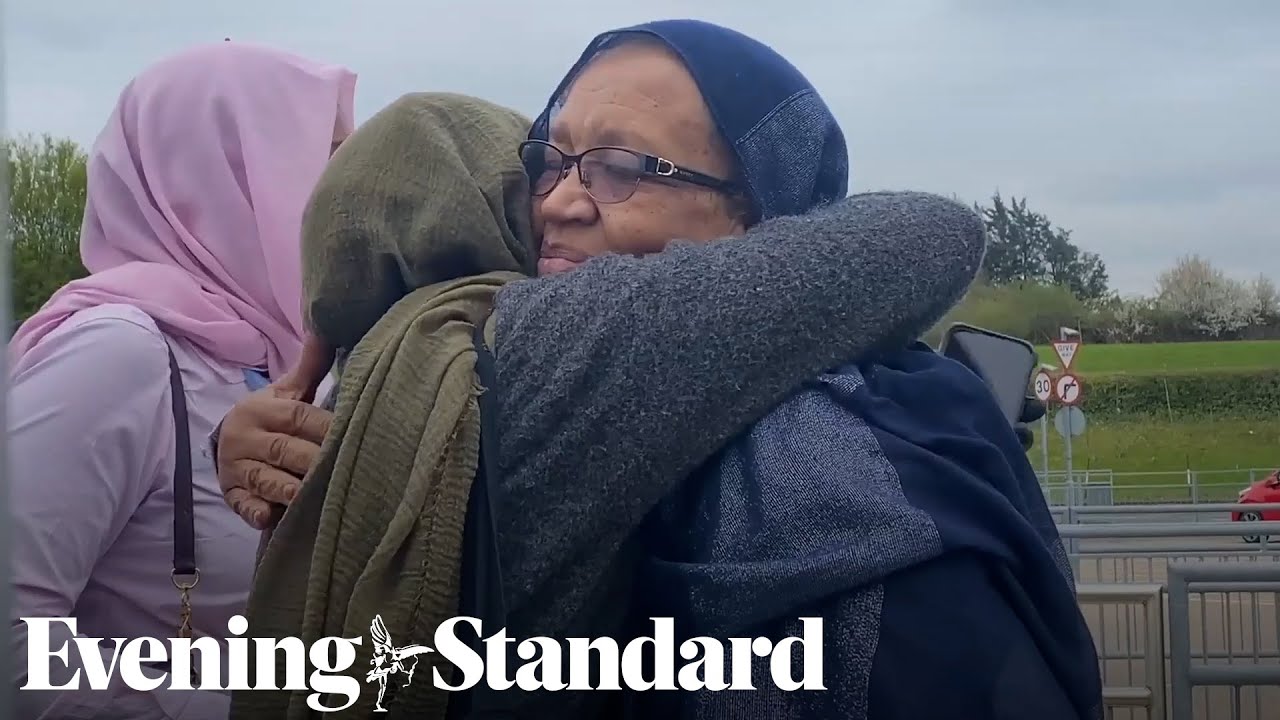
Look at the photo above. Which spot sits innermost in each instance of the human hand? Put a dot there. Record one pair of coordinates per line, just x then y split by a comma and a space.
269, 440
1032, 411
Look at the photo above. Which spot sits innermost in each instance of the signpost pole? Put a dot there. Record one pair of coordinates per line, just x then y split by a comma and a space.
1044, 443
1073, 543
1067, 390
1071, 476
1043, 387
1071, 483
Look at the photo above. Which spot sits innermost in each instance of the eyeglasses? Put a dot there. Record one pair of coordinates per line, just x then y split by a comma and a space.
609, 174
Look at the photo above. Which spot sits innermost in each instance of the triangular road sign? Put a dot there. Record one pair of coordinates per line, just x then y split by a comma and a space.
1066, 351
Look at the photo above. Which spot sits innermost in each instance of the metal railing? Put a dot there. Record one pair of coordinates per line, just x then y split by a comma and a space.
1105, 487
1122, 568
1253, 582
1143, 654
1168, 530
1174, 512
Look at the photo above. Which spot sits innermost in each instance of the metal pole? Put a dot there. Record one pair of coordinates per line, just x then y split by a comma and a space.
1072, 543
1179, 644
1044, 443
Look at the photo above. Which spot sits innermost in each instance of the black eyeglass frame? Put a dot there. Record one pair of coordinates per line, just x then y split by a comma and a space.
653, 167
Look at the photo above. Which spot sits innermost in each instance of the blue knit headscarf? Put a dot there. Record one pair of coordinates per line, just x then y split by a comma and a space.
790, 148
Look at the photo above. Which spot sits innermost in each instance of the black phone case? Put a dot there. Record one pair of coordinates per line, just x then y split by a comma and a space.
955, 350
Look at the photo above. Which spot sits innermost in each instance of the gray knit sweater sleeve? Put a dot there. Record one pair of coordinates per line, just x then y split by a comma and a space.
619, 379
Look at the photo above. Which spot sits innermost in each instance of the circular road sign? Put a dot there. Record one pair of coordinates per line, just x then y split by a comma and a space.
1069, 421
1068, 389
1043, 386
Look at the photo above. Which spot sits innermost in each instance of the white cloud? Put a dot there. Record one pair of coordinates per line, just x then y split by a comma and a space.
1147, 127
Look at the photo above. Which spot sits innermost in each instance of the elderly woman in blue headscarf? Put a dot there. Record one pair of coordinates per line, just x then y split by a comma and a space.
888, 496
740, 432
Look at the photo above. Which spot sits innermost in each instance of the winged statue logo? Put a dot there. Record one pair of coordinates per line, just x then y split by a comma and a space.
389, 660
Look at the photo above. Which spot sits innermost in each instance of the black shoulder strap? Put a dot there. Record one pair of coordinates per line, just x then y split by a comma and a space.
486, 570
481, 592
184, 520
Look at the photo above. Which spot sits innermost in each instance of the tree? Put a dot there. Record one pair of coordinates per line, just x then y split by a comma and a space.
1131, 319
1266, 302
47, 179
1031, 311
1023, 246
1205, 299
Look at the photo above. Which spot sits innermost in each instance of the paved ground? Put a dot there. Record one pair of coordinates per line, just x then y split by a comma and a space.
1240, 628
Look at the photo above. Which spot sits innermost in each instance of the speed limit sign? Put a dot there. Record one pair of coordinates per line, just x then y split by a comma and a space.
1043, 386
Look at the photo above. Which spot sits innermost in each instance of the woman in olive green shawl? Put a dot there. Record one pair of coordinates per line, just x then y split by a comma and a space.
421, 216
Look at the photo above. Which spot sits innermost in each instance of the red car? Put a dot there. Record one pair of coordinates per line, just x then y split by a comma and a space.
1266, 490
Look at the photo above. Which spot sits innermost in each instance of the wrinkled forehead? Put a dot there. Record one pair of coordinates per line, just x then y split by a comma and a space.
632, 90
783, 136
598, 48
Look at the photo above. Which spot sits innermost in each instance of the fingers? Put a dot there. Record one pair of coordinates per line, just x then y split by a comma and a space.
255, 511
294, 455
1032, 409
313, 364
255, 421
1025, 436
266, 446
264, 483
306, 422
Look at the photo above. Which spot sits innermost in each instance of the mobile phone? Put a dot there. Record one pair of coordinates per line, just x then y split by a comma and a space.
1004, 363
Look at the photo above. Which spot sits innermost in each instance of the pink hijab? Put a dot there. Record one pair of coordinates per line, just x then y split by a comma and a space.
196, 189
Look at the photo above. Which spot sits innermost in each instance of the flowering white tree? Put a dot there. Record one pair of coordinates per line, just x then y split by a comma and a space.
1210, 302
1266, 301
1131, 319
1233, 309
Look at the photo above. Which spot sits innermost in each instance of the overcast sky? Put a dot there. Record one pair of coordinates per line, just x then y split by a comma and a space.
1150, 128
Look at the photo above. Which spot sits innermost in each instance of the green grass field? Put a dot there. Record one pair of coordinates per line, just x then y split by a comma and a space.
1172, 357
1162, 451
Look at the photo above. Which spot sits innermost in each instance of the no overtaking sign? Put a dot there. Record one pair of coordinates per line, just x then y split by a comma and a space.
1068, 389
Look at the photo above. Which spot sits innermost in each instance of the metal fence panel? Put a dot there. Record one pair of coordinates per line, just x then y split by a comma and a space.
1224, 640
1229, 647
1127, 621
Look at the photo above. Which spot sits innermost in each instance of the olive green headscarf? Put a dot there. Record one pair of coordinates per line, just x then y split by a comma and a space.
420, 218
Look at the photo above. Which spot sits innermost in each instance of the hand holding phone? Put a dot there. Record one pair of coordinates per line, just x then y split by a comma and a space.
1004, 363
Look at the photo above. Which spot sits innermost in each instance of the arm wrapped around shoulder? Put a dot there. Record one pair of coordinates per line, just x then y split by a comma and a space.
622, 377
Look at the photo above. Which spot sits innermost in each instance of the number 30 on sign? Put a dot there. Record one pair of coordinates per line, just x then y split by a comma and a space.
1043, 386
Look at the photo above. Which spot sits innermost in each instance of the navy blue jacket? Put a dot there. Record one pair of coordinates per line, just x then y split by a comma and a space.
892, 499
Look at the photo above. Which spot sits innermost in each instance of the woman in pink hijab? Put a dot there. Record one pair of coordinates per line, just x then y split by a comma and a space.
196, 190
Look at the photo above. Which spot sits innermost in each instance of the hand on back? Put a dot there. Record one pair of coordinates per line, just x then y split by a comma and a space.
269, 440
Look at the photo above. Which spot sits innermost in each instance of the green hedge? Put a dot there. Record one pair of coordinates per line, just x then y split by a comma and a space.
1201, 394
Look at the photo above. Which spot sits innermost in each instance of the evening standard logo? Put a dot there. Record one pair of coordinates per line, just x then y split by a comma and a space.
389, 660
326, 667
